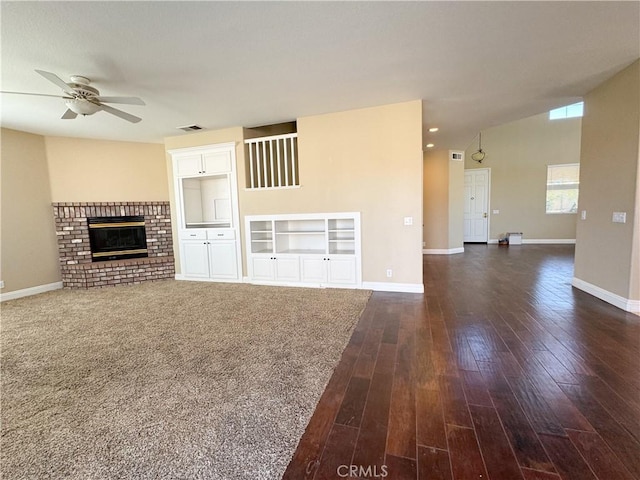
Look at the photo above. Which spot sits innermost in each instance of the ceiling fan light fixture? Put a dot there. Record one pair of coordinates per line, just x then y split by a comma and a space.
82, 107
479, 154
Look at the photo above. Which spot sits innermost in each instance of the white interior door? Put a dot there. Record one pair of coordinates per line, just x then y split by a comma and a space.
476, 205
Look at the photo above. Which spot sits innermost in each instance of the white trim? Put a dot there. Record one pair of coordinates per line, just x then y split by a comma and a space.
632, 306
550, 241
442, 251
541, 241
202, 148
394, 287
271, 137
26, 292
180, 276
261, 189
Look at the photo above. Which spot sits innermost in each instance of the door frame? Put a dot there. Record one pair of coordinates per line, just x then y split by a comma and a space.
488, 170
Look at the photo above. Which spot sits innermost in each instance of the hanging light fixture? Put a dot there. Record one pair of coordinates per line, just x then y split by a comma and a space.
479, 155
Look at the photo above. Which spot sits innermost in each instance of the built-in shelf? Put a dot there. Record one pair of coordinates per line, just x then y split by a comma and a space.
206, 197
313, 249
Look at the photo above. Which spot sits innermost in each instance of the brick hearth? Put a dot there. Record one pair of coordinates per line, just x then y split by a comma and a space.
72, 230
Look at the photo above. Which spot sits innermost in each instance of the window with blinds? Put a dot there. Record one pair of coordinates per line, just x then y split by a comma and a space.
563, 183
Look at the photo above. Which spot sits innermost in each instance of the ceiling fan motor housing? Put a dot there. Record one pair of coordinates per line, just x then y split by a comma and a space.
84, 90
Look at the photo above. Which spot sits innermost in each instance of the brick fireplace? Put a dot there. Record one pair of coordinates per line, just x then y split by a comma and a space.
80, 271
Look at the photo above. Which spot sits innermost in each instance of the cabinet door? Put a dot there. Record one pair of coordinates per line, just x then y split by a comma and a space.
189, 165
313, 269
287, 269
262, 268
223, 260
342, 270
195, 261
217, 162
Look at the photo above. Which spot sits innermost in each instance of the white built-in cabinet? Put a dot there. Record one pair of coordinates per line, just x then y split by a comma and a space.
206, 197
308, 249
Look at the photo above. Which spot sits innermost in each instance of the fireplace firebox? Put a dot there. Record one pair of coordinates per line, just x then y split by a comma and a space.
115, 238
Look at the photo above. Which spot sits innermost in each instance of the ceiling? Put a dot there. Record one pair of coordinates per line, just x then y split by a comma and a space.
222, 64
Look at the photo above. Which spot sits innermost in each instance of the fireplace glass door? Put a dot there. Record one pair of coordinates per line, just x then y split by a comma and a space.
114, 238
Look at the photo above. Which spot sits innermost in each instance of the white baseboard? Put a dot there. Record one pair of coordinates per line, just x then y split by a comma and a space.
541, 241
550, 241
442, 251
394, 287
180, 276
632, 306
377, 286
26, 292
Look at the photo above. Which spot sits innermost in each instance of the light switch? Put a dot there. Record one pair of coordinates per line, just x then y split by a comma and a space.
408, 220
619, 217
583, 214
496, 212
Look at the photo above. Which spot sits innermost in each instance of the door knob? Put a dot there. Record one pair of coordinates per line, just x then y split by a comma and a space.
485, 215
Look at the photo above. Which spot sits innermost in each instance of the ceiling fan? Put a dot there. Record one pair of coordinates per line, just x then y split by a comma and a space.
83, 99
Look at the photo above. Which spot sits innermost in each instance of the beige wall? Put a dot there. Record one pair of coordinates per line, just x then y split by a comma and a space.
368, 161
435, 194
29, 250
443, 202
606, 254
85, 170
456, 204
518, 154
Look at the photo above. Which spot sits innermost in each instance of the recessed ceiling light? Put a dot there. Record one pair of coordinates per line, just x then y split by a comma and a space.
430, 145
433, 129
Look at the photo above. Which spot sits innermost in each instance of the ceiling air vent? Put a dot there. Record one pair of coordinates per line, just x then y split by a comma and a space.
190, 128
456, 156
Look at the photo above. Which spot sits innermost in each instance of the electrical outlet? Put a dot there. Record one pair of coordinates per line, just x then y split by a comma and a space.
583, 215
619, 217
389, 273
1, 283
408, 220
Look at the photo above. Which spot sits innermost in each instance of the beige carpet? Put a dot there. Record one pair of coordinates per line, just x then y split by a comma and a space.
179, 380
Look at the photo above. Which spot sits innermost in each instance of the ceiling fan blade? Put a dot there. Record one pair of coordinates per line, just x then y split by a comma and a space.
53, 78
122, 100
119, 113
36, 94
69, 115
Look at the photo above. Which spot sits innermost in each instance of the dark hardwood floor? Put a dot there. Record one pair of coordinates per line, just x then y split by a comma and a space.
501, 370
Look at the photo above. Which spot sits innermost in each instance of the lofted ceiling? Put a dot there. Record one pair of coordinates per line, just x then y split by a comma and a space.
222, 64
